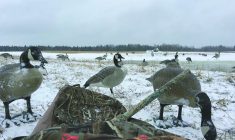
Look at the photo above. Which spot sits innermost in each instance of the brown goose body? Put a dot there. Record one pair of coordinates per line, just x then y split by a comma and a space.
6, 55
110, 76
182, 93
106, 76
18, 83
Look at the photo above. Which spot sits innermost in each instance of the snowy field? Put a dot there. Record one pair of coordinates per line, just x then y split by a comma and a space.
215, 75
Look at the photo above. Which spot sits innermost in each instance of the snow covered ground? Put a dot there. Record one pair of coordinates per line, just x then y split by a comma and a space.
215, 77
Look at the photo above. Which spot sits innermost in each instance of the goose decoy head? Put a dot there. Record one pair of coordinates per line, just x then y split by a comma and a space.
207, 127
176, 56
32, 53
117, 59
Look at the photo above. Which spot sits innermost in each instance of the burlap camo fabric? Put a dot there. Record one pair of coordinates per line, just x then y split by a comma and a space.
80, 114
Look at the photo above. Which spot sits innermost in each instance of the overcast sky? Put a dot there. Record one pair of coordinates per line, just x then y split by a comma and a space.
94, 22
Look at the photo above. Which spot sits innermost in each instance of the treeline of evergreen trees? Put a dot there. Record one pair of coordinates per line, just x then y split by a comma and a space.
129, 47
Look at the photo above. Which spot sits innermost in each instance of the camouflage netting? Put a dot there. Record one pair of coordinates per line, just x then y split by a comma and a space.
77, 111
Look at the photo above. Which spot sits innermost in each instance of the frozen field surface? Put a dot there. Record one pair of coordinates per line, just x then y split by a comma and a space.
215, 75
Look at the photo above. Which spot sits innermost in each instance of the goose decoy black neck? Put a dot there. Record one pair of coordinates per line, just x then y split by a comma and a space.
176, 55
207, 127
32, 53
117, 59
24, 61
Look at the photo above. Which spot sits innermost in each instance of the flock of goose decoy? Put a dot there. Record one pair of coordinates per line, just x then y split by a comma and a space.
19, 81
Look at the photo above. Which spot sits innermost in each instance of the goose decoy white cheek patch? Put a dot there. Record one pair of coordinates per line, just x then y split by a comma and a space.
30, 57
116, 56
205, 129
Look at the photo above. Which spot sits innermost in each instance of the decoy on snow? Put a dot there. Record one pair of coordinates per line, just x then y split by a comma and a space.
63, 57
217, 55
110, 76
144, 63
189, 59
6, 55
20, 80
172, 60
186, 92
99, 58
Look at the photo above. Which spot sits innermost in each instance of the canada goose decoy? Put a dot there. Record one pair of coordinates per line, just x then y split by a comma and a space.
105, 56
166, 61
172, 60
204, 54
176, 57
189, 59
207, 127
63, 57
186, 92
217, 55
144, 63
20, 80
110, 76
99, 58
6, 55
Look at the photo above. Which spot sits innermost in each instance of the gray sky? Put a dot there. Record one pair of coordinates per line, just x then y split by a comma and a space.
95, 22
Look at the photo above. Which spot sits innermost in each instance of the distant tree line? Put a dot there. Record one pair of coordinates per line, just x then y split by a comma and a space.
128, 47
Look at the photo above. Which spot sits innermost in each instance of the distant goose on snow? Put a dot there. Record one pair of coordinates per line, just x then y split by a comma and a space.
172, 60
20, 80
110, 76
217, 55
144, 63
189, 59
176, 57
167, 61
99, 58
186, 92
63, 57
105, 55
204, 54
6, 55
